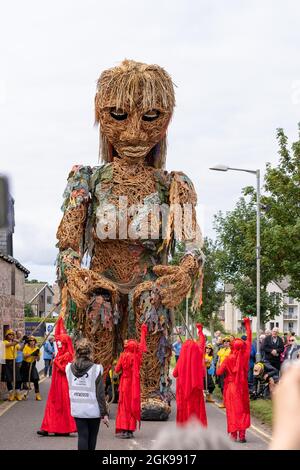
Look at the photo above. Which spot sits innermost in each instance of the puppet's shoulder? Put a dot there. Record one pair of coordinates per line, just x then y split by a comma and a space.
182, 189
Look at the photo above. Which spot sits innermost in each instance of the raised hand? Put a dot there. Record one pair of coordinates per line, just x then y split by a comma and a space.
174, 283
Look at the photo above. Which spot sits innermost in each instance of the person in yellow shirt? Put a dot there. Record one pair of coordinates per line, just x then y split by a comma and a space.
112, 381
31, 354
209, 384
12, 375
223, 352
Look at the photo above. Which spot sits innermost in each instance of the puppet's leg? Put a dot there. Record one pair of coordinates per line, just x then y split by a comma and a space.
98, 323
103, 343
155, 382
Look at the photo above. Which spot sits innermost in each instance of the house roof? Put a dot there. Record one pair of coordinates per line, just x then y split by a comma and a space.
284, 284
32, 290
14, 261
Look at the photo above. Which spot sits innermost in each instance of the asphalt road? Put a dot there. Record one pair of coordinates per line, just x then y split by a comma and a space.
19, 424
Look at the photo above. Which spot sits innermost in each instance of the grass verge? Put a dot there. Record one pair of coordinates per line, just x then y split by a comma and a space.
262, 410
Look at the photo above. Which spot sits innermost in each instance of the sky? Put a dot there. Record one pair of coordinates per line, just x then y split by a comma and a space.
236, 69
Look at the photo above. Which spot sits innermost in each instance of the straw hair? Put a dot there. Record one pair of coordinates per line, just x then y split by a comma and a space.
133, 84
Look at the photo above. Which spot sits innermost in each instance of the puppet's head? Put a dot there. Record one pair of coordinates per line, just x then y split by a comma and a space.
133, 105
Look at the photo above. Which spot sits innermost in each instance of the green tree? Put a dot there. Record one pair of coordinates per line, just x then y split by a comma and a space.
213, 292
236, 236
282, 184
28, 310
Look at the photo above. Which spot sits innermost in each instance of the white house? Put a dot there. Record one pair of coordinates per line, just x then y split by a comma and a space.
287, 321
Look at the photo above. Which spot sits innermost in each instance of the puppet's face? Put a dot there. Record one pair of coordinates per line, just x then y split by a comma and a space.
133, 132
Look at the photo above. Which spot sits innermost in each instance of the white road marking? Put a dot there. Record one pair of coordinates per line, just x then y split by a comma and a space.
8, 406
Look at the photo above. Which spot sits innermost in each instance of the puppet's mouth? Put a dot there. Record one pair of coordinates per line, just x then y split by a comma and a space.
134, 151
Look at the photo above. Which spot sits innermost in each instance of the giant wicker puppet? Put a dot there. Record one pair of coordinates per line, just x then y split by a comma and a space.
120, 225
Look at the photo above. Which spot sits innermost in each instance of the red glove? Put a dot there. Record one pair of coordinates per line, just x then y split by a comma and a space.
144, 328
246, 320
199, 327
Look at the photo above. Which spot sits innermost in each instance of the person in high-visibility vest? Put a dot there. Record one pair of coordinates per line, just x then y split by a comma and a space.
87, 395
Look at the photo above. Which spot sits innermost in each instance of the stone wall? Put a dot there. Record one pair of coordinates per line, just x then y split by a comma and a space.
11, 306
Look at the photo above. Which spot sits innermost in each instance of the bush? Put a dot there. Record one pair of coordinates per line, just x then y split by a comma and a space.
39, 319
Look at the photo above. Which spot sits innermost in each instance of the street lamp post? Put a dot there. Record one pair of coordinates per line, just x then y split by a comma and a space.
257, 174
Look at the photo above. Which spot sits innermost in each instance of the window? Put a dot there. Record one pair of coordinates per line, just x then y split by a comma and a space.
291, 300
277, 324
291, 311
49, 299
271, 325
13, 280
291, 325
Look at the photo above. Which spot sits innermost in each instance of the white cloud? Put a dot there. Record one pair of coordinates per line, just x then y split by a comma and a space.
234, 63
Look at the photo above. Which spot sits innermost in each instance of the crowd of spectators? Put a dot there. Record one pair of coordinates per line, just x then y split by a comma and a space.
276, 352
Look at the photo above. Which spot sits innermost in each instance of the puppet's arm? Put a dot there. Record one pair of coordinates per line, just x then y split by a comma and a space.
175, 282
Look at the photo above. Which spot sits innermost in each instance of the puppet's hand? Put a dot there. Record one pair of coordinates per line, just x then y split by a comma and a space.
199, 327
173, 283
83, 282
246, 321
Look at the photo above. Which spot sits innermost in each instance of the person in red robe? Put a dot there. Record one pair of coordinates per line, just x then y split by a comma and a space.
236, 392
189, 372
129, 404
57, 416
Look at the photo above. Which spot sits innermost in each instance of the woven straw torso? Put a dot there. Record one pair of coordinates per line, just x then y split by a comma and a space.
121, 256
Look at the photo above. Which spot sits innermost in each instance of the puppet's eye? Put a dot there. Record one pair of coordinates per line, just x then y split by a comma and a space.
151, 115
118, 114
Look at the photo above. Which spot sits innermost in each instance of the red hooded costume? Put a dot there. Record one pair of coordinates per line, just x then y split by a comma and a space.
129, 404
189, 372
57, 417
236, 391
